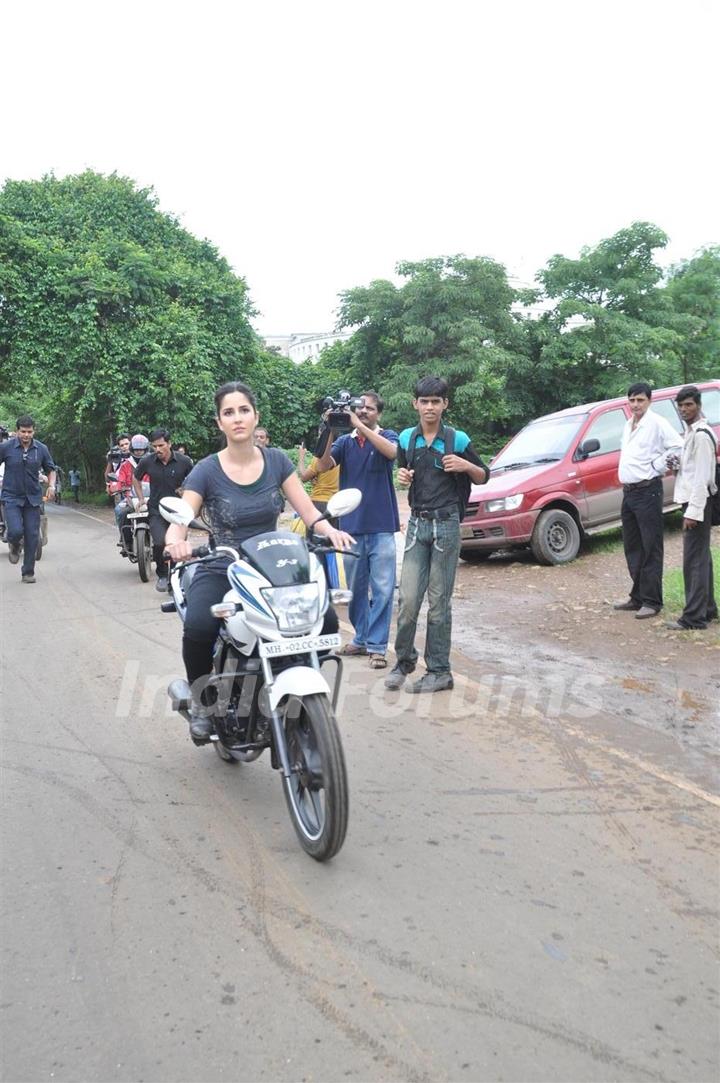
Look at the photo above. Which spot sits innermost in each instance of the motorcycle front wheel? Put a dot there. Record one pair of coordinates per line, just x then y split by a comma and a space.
143, 549
316, 791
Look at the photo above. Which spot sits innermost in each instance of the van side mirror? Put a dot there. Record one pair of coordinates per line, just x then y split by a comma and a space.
588, 447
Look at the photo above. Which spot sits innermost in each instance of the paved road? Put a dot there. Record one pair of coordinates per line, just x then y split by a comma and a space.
517, 898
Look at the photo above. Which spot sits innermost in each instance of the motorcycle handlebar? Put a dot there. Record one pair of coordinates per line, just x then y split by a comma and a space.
321, 541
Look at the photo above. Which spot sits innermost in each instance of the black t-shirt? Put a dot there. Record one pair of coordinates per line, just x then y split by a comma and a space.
432, 487
236, 512
165, 478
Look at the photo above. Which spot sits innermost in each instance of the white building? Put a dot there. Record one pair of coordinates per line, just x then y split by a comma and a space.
303, 345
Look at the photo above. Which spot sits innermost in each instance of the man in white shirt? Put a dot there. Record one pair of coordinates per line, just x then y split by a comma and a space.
695, 481
647, 441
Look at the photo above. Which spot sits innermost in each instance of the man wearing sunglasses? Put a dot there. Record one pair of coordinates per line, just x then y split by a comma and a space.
21, 495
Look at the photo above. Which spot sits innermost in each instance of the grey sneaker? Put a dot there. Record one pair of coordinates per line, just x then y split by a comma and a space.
645, 612
28, 579
161, 584
395, 679
13, 553
433, 682
200, 726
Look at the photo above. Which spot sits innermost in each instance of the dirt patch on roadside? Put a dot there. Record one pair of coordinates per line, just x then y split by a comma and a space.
534, 621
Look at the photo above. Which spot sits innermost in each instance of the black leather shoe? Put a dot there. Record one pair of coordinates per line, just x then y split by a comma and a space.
626, 605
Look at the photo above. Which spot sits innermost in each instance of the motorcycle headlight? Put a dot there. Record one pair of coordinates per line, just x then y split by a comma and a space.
505, 503
296, 608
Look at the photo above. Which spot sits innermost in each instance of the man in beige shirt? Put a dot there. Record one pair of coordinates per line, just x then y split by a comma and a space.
694, 483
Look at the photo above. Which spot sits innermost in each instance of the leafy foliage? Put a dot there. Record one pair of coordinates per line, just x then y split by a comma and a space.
112, 316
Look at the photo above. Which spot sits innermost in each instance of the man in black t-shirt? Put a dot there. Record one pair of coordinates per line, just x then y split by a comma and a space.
432, 541
167, 470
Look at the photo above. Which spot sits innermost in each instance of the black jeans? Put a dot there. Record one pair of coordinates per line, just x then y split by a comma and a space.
642, 527
209, 585
700, 605
158, 530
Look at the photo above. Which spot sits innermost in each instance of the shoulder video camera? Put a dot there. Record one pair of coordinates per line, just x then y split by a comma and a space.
340, 407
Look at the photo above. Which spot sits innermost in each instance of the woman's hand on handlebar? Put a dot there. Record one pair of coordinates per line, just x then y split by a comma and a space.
179, 550
339, 539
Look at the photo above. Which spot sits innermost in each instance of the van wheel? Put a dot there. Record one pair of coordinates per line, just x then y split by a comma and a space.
556, 537
474, 556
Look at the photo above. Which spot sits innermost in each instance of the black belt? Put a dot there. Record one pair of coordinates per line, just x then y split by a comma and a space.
639, 484
435, 513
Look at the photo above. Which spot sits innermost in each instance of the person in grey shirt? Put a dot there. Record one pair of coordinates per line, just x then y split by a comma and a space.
241, 490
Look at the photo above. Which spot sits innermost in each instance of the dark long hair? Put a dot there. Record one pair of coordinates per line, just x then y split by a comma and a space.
230, 389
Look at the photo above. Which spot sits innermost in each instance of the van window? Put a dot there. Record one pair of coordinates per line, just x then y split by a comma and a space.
544, 441
608, 429
711, 406
666, 408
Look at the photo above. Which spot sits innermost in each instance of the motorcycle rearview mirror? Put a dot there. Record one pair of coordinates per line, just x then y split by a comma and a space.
178, 511
342, 503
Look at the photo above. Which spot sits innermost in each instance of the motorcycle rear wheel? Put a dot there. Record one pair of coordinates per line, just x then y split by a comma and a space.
317, 790
143, 549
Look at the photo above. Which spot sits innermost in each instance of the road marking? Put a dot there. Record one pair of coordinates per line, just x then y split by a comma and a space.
93, 517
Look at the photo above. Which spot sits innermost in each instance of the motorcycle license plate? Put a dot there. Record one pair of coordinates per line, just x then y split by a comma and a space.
300, 646
138, 515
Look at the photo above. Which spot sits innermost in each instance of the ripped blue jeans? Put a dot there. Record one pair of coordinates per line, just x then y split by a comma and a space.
432, 548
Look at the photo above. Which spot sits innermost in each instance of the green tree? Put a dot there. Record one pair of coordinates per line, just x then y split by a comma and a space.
452, 318
610, 317
112, 316
693, 292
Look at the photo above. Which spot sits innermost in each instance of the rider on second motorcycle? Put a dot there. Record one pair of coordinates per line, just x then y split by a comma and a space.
138, 447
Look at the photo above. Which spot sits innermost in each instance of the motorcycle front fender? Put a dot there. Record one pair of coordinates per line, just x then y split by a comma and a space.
298, 681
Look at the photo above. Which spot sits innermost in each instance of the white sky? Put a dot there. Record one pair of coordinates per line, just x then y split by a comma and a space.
318, 143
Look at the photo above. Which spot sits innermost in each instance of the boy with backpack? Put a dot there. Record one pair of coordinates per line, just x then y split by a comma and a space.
440, 465
696, 489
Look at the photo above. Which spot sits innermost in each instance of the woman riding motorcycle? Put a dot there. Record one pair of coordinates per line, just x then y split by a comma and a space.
243, 489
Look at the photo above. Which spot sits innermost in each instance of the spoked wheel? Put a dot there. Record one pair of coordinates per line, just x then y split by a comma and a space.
143, 548
317, 790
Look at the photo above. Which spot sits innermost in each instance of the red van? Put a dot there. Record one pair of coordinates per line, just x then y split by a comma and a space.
557, 481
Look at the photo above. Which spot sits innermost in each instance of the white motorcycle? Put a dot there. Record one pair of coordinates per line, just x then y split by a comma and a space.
268, 687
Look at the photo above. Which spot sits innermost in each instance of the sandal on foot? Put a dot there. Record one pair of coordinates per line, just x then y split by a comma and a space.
378, 661
352, 650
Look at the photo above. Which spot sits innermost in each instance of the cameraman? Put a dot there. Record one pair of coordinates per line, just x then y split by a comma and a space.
365, 457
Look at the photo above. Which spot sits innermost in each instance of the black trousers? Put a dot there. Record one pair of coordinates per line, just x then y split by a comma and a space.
158, 530
642, 527
700, 604
209, 585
